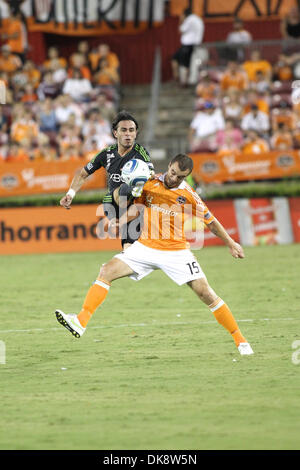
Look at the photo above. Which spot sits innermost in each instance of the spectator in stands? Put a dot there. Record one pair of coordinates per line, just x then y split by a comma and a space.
204, 127
64, 107
282, 69
18, 81
191, 30
290, 24
48, 88
68, 137
72, 153
9, 62
78, 61
261, 84
234, 77
16, 153
104, 105
83, 48
44, 150
54, 59
96, 124
24, 129
206, 89
78, 87
90, 148
252, 97
47, 118
96, 141
232, 107
16, 35
17, 111
106, 75
96, 129
253, 143
103, 52
257, 63
283, 114
74, 123
230, 138
29, 96
293, 62
32, 72
256, 120
282, 138
239, 36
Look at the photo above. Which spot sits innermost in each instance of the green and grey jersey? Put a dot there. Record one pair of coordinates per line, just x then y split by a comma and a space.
113, 163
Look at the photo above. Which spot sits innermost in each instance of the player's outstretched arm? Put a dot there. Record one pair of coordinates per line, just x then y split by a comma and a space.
76, 184
235, 248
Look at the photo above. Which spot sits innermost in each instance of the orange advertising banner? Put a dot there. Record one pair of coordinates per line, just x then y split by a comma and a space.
236, 166
220, 9
53, 230
84, 228
19, 179
223, 211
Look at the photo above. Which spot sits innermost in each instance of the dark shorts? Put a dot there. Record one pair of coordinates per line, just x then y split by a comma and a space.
183, 55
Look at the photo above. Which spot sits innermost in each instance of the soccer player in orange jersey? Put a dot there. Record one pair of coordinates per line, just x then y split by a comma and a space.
165, 201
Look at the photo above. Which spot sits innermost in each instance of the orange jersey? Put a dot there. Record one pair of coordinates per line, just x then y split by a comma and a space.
10, 64
17, 29
252, 67
288, 119
282, 141
165, 213
238, 81
206, 92
112, 60
24, 130
261, 104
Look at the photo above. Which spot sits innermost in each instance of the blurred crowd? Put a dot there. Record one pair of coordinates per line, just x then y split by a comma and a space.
61, 109
246, 105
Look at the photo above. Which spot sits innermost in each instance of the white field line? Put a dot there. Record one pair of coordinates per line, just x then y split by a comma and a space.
134, 325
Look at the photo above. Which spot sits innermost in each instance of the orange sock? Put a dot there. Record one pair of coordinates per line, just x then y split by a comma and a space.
224, 316
95, 296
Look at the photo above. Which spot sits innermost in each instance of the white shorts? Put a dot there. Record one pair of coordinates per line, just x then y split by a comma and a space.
180, 265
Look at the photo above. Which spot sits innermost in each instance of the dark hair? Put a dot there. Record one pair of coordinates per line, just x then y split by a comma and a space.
184, 162
123, 116
188, 11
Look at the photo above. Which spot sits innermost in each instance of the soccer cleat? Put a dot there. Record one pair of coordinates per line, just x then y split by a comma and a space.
71, 322
245, 349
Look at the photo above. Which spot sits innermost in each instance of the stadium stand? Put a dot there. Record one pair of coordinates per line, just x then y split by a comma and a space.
47, 104
253, 94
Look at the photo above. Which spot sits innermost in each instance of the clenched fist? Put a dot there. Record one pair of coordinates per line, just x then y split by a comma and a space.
66, 201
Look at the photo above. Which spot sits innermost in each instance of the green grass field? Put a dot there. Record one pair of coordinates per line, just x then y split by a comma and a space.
154, 369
